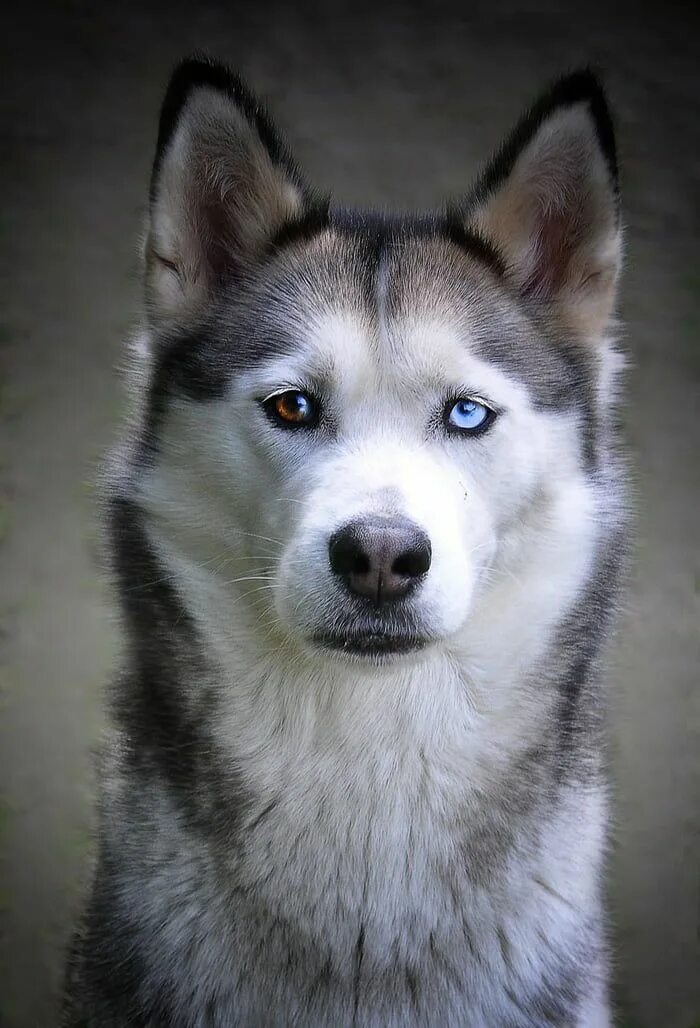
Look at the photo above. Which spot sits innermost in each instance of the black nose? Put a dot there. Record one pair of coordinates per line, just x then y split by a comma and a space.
380, 558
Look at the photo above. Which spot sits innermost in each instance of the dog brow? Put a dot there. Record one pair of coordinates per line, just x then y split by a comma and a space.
474, 244
302, 229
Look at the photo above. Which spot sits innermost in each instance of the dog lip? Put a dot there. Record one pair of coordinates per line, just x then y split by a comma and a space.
371, 644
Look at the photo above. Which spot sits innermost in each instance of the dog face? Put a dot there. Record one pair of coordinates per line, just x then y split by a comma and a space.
355, 425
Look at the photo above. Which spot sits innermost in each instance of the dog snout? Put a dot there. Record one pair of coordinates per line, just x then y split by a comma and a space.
380, 558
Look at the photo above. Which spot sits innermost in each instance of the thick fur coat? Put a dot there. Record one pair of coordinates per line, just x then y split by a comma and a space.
366, 528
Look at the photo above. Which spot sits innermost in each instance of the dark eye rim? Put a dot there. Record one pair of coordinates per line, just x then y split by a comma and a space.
485, 425
268, 405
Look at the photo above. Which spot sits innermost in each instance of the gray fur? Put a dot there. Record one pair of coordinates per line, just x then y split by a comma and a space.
293, 837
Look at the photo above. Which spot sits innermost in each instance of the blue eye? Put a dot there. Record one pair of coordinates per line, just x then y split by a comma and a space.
469, 416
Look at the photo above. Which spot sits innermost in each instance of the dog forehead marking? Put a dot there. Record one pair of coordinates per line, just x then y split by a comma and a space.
420, 307
364, 351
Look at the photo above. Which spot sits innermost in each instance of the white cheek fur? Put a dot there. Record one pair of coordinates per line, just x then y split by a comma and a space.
270, 520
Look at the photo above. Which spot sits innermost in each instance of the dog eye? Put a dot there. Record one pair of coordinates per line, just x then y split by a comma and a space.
468, 416
292, 409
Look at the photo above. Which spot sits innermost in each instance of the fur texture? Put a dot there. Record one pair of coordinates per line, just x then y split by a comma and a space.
318, 810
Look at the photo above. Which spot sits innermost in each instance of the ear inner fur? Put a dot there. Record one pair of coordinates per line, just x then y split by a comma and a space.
223, 186
549, 202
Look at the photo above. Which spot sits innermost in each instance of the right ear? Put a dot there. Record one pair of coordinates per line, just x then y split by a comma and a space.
223, 185
549, 203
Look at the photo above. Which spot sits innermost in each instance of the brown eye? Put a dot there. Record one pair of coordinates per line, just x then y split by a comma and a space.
292, 409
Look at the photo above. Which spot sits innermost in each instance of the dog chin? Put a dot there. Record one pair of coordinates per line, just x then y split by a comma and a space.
373, 647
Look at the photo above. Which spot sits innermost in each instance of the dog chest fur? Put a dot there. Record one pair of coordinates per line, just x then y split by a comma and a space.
381, 891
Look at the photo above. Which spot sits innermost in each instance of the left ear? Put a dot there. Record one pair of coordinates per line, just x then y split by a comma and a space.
549, 203
222, 186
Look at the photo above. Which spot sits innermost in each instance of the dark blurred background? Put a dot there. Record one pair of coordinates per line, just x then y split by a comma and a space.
390, 105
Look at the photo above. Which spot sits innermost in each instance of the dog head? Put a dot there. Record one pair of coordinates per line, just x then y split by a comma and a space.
353, 424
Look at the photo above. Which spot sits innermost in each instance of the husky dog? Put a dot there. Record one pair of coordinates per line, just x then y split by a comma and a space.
366, 530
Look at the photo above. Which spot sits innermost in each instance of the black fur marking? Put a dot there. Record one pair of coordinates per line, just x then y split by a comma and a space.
505, 948
167, 732
553, 372
580, 708
191, 365
202, 73
359, 955
185, 365
580, 87
523, 793
413, 984
303, 229
473, 243
469, 939
517, 1003
149, 706
113, 971
198, 363
377, 230
323, 979
558, 372
558, 1000
264, 813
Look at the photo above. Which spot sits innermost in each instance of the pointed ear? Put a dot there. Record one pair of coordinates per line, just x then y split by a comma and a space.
222, 186
549, 203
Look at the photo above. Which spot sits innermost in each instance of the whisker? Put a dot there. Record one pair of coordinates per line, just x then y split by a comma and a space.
252, 592
265, 538
249, 578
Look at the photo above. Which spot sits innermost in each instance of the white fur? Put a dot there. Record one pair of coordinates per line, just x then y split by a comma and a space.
387, 753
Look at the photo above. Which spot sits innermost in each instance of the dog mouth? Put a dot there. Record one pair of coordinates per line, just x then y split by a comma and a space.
371, 644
